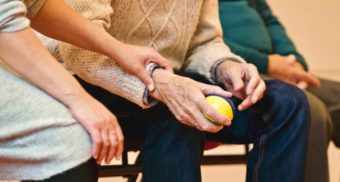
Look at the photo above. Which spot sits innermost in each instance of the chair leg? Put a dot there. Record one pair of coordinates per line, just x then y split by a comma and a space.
246, 149
133, 178
125, 158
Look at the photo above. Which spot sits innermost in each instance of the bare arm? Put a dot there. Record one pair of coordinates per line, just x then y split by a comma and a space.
57, 20
23, 51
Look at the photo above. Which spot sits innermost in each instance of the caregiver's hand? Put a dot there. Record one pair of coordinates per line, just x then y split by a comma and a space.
133, 59
102, 125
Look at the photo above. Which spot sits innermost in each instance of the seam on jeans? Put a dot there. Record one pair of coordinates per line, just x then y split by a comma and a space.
259, 162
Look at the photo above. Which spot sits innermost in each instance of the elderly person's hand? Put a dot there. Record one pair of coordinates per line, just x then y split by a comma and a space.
186, 100
287, 69
100, 123
243, 80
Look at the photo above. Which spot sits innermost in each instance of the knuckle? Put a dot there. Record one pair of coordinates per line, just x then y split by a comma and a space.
98, 142
179, 118
139, 69
107, 120
252, 67
113, 118
121, 140
106, 144
114, 144
205, 127
217, 88
186, 119
181, 114
195, 99
96, 125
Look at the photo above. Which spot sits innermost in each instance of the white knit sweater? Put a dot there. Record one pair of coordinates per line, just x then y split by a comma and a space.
39, 137
186, 32
13, 13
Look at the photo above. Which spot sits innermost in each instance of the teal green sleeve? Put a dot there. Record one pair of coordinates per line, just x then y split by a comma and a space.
281, 42
259, 59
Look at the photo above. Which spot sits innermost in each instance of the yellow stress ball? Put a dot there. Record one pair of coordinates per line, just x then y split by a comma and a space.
223, 105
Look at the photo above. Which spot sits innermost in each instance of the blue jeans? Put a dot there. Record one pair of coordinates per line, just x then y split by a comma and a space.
277, 125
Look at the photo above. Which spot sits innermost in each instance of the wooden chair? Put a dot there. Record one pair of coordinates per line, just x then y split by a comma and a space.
131, 171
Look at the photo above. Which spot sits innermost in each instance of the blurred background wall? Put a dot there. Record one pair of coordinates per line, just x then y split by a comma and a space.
314, 26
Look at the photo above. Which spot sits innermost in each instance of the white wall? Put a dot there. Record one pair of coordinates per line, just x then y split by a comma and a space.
314, 26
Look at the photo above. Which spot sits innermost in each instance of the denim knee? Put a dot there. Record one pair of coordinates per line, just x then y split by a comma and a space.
284, 100
286, 95
172, 151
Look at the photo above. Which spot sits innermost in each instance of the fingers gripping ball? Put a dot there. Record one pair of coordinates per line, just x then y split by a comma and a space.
223, 105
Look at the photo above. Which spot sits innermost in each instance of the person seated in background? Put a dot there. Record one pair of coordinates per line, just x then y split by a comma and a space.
253, 32
46, 134
188, 34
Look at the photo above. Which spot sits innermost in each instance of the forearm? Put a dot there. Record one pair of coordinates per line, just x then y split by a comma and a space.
161, 78
23, 51
103, 72
57, 20
203, 59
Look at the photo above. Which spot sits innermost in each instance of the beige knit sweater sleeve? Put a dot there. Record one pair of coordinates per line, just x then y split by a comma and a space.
207, 46
13, 13
98, 69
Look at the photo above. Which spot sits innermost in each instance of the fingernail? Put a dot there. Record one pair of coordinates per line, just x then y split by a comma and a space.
254, 99
95, 156
227, 123
108, 161
151, 87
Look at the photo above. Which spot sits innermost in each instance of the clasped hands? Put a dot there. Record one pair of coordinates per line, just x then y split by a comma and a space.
288, 69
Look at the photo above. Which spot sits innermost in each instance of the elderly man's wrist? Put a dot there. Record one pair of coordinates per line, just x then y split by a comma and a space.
147, 99
215, 69
161, 78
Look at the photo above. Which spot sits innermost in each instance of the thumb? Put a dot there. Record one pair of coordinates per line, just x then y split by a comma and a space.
164, 63
146, 79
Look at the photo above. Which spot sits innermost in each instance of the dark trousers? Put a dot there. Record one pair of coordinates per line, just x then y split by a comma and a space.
328, 93
277, 126
86, 172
